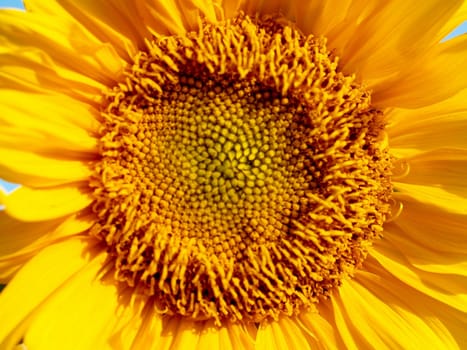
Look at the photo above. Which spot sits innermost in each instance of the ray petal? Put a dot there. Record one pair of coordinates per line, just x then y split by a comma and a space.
58, 262
30, 204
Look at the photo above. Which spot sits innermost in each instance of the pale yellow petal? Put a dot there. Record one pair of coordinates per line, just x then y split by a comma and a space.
214, 338
192, 10
9, 267
137, 325
187, 334
448, 138
37, 280
30, 204
48, 7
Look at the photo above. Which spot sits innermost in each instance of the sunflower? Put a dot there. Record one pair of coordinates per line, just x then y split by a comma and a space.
225, 174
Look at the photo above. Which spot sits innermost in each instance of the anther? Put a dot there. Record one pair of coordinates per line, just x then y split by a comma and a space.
396, 209
400, 169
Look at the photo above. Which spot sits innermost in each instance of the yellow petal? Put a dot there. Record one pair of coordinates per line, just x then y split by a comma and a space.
433, 79
80, 314
457, 19
433, 195
212, 337
46, 272
34, 170
230, 336
178, 333
32, 71
379, 323
137, 325
49, 7
282, 334
322, 17
193, 10
430, 128
230, 8
20, 241
343, 324
16, 234
242, 335
445, 230
64, 47
30, 204
162, 17
148, 331
422, 256
68, 125
116, 22
268, 7
377, 40
403, 120
446, 325
323, 332
188, 334
446, 288
434, 170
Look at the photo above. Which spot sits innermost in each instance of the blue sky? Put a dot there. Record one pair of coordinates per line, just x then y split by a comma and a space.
19, 4
12, 3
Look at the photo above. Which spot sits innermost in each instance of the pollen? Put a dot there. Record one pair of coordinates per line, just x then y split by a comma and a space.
242, 175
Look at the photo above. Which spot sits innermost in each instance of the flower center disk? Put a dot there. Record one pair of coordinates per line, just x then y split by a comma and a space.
242, 175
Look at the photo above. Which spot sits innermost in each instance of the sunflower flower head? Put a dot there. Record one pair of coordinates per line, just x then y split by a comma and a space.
223, 175
228, 188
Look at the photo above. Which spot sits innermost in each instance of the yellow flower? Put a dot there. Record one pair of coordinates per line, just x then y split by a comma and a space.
233, 175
